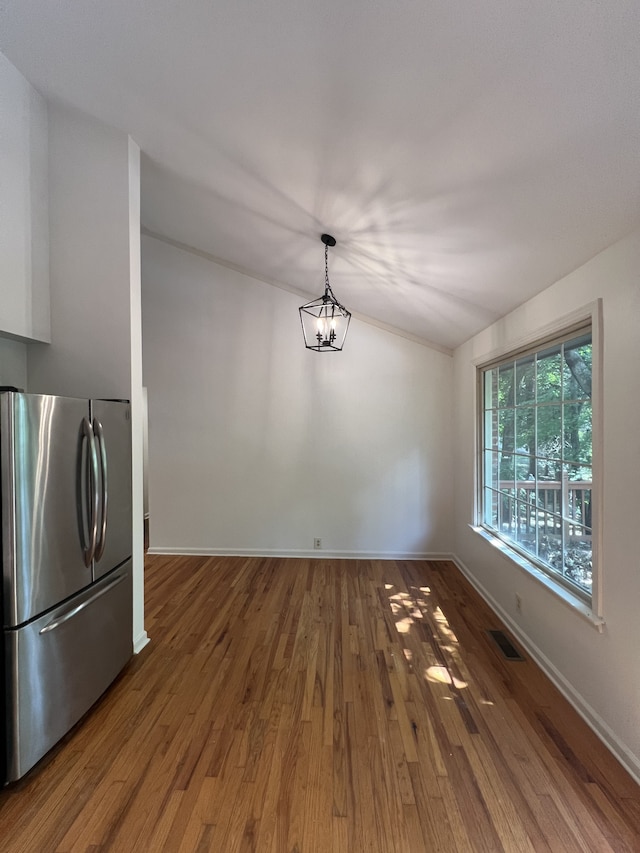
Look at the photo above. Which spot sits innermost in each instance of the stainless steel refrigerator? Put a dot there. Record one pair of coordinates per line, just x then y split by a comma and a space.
65, 492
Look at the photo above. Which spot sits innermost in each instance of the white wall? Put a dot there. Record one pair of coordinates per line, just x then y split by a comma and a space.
24, 248
258, 445
13, 363
599, 672
90, 353
94, 221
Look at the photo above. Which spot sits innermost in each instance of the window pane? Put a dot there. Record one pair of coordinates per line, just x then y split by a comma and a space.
577, 432
491, 508
526, 489
577, 503
505, 385
554, 553
525, 380
548, 469
571, 448
525, 426
550, 542
507, 469
506, 422
506, 511
549, 375
549, 432
523, 468
491, 388
526, 529
549, 499
491, 436
491, 467
536, 514
551, 523
578, 472
577, 368
577, 558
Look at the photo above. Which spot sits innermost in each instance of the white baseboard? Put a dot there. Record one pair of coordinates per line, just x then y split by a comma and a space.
628, 759
140, 642
319, 554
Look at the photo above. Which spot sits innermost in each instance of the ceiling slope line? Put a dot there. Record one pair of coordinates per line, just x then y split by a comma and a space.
303, 294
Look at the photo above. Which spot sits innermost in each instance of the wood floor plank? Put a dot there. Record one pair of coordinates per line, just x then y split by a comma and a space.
323, 706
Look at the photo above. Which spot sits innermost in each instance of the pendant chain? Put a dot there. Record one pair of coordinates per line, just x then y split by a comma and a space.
327, 286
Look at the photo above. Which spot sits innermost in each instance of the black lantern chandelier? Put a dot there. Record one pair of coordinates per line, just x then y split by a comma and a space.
325, 321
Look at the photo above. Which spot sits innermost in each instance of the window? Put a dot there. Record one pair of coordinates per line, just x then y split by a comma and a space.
536, 456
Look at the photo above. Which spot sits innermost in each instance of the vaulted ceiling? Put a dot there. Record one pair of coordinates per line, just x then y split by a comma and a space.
464, 154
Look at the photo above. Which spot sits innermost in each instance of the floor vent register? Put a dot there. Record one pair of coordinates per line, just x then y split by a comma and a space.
505, 645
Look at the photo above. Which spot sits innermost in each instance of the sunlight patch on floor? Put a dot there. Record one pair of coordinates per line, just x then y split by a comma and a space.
441, 675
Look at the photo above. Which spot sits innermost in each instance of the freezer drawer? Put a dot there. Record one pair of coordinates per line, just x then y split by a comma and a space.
58, 665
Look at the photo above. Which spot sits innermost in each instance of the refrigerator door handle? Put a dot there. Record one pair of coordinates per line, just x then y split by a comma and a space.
102, 452
69, 614
93, 500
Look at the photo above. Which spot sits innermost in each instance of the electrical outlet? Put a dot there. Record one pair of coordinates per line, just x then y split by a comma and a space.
518, 603
317, 544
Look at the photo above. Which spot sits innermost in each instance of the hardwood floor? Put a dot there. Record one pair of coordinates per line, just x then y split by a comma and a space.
291, 706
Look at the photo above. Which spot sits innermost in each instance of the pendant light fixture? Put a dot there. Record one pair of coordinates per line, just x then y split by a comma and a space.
324, 320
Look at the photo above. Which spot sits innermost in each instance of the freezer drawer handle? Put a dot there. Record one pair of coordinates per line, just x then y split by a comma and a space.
102, 452
75, 610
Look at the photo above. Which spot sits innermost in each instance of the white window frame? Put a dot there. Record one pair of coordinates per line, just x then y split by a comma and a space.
589, 314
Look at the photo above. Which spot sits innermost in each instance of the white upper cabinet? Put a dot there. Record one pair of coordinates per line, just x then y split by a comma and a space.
24, 209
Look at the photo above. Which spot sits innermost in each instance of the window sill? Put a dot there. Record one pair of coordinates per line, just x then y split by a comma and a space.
576, 604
